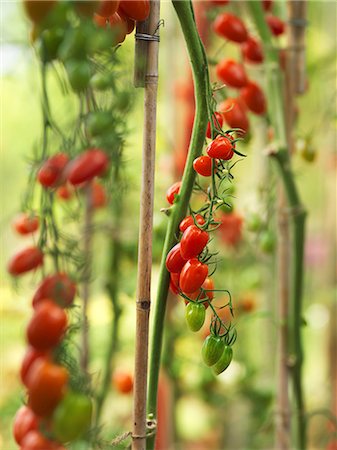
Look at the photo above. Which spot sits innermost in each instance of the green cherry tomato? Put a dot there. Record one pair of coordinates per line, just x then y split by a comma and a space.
224, 361
101, 81
50, 41
98, 122
74, 45
212, 349
267, 241
254, 222
195, 315
72, 417
79, 74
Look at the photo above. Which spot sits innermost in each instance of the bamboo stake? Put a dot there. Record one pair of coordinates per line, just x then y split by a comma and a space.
145, 234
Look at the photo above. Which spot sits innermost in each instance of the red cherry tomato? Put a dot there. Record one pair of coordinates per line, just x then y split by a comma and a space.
220, 148
217, 122
267, 5
231, 73
192, 275
174, 283
135, 9
24, 421
234, 113
252, 51
208, 285
47, 326
230, 27
193, 241
172, 192
188, 221
123, 382
130, 23
52, 171
34, 440
25, 223
89, 164
64, 192
58, 287
231, 228
98, 196
101, 21
174, 260
28, 259
30, 357
46, 386
37, 10
276, 25
107, 8
203, 165
254, 98
119, 27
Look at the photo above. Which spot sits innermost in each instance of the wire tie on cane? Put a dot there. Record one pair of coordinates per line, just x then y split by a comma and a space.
150, 37
298, 22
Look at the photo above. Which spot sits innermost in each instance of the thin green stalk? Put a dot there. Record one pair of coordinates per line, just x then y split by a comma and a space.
198, 59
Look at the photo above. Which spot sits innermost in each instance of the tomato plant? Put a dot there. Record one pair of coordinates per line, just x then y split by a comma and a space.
58, 287
174, 261
193, 241
28, 259
89, 164
224, 360
24, 421
195, 314
221, 148
192, 275
231, 73
212, 349
52, 170
203, 165
230, 27
26, 223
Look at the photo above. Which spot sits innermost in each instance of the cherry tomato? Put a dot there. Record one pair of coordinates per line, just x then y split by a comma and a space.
267, 5
108, 7
123, 382
30, 357
47, 325
72, 417
254, 98
172, 192
230, 27
46, 387
203, 165
25, 223
195, 314
217, 123
193, 241
89, 164
37, 10
98, 122
234, 113
188, 221
135, 9
231, 73
192, 275
79, 74
52, 171
86, 7
130, 23
267, 241
230, 229
34, 440
252, 51
28, 259
64, 192
212, 349
58, 287
207, 285
224, 360
174, 260
174, 283
24, 421
220, 148
119, 28
276, 25
98, 196
50, 42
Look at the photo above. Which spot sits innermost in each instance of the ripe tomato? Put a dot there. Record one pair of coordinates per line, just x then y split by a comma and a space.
203, 165
174, 260
231, 228
123, 382
195, 314
224, 360
193, 241
172, 192
30, 357
24, 421
52, 171
37, 10
217, 123
98, 196
220, 148
219, 2
47, 325
208, 285
188, 221
174, 283
86, 7
230, 27
64, 192
72, 417
252, 51
79, 74
276, 25
46, 387
28, 259
58, 287
119, 28
107, 8
130, 23
267, 5
254, 98
234, 113
135, 9
231, 73
89, 164
192, 275
34, 440
25, 223
212, 349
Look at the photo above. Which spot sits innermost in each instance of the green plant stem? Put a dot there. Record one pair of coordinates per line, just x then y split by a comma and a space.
202, 91
297, 214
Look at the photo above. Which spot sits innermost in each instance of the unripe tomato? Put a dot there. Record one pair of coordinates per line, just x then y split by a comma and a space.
98, 198
89, 164
254, 98
72, 417
107, 8
47, 326
98, 122
203, 165
220, 148
193, 241
79, 74
101, 81
174, 260
138, 10
123, 382
52, 170
46, 387
24, 421
195, 314
172, 192
28, 259
212, 349
37, 10
231, 73
230, 27
276, 25
25, 223
58, 287
30, 357
224, 361
188, 221
267, 241
192, 275
50, 42
252, 51
217, 123
234, 113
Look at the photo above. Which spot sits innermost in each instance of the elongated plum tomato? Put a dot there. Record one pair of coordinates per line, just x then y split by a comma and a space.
98, 198
52, 170
217, 123
58, 287
37, 10
174, 260
192, 275
234, 113
220, 148
107, 8
25, 223
224, 361
174, 283
34, 440
119, 28
135, 9
252, 51
47, 325
193, 241
29, 358
276, 25
47, 384
89, 164
230, 27
172, 192
254, 98
231, 73
130, 23
203, 165
122, 381
212, 349
28, 259
195, 314
188, 221
24, 421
